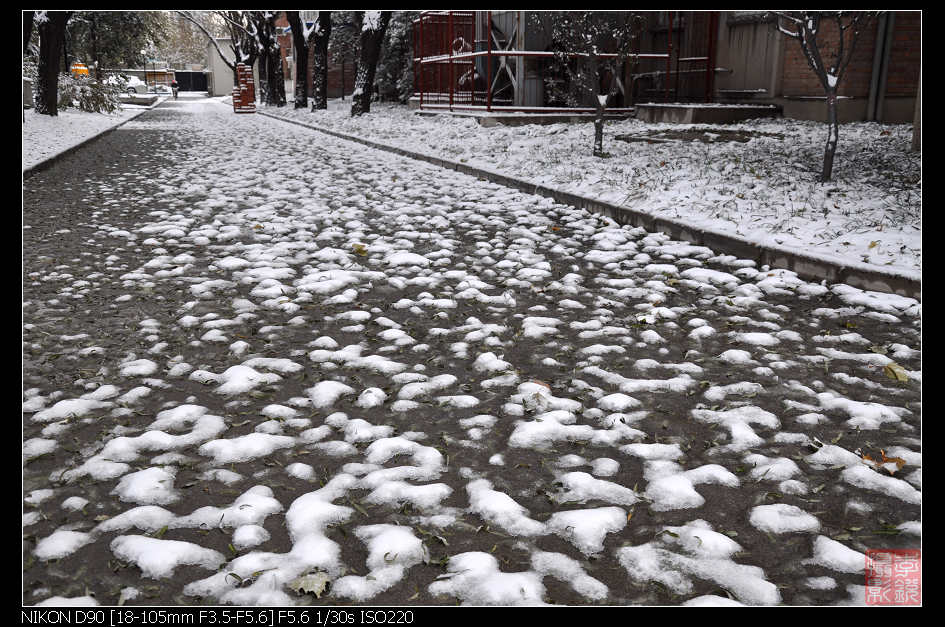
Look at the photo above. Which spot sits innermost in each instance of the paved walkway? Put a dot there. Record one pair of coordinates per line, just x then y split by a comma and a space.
258, 359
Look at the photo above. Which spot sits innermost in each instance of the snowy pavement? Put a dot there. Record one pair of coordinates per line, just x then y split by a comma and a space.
45, 136
756, 180
267, 366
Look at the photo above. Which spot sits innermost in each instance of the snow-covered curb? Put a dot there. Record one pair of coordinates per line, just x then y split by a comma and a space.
80, 135
819, 267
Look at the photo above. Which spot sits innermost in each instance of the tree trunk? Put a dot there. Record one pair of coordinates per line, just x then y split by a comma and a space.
371, 41
600, 103
276, 75
65, 52
599, 133
27, 29
301, 58
833, 135
917, 121
320, 69
52, 34
263, 58
276, 78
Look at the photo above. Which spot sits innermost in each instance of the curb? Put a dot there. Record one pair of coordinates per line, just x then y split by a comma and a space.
808, 267
42, 165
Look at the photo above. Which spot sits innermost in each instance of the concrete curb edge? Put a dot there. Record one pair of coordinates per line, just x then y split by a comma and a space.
42, 165
807, 267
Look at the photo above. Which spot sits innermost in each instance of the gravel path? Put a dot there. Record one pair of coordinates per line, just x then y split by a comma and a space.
261, 363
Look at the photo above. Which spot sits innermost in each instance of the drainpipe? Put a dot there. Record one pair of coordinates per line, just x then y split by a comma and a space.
519, 83
887, 46
877, 67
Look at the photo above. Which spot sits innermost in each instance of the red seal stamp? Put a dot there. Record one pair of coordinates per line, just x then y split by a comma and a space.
893, 577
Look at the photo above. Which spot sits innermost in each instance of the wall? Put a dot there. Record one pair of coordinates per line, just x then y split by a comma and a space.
902, 77
767, 66
220, 76
751, 50
220, 81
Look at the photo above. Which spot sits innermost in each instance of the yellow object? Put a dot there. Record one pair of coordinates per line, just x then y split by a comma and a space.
79, 69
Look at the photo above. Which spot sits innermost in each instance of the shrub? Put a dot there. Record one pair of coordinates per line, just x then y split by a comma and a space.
87, 94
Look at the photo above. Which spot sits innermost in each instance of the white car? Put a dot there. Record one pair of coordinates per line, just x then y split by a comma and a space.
136, 86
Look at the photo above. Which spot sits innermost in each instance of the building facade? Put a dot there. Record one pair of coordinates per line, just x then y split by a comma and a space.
220, 79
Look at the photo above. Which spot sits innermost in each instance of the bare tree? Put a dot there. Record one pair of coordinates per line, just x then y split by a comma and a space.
185, 43
806, 28
591, 47
300, 46
306, 39
373, 27
52, 32
271, 78
241, 35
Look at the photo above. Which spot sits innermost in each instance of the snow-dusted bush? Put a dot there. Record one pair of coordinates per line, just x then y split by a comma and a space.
88, 94
29, 68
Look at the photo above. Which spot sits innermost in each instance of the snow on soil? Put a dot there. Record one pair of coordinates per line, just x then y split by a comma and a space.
765, 190
416, 413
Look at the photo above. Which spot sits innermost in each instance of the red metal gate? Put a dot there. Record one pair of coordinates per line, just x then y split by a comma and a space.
461, 62
687, 73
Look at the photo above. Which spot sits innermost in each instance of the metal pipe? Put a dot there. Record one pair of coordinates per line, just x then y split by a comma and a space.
513, 108
420, 73
452, 74
669, 53
710, 61
887, 47
519, 83
444, 58
489, 60
679, 51
877, 67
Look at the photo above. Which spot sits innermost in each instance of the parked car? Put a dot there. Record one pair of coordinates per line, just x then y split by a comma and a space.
136, 86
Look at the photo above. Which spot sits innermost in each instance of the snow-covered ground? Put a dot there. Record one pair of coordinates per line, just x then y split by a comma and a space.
764, 190
45, 136
281, 368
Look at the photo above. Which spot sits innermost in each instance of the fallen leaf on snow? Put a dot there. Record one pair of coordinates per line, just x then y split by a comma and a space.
895, 371
314, 583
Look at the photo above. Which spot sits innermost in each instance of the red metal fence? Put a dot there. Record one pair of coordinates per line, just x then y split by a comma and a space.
461, 64
687, 74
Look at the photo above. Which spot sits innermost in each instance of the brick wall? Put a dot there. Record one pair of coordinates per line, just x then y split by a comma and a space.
798, 79
335, 72
285, 44
902, 78
335, 75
